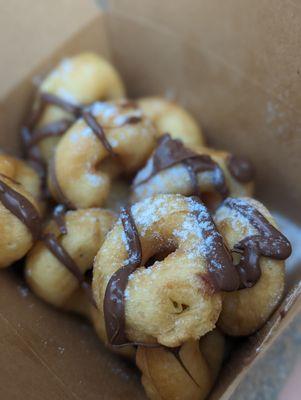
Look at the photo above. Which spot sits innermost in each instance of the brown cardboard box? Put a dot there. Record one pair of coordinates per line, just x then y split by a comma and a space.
236, 66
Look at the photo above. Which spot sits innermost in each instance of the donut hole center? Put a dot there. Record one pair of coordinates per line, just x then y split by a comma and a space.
160, 255
107, 165
179, 308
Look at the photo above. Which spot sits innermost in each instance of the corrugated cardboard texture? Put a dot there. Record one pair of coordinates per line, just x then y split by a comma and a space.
235, 65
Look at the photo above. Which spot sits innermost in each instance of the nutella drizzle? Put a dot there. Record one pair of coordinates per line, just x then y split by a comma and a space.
21, 207
222, 272
53, 129
240, 168
170, 152
114, 302
97, 130
268, 242
52, 243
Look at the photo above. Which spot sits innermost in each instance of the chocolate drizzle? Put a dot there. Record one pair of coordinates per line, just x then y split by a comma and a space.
114, 302
170, 152
31, 137
21, 207
269, 242
222, 272
53, 129
97, 130
241, 168
52, 243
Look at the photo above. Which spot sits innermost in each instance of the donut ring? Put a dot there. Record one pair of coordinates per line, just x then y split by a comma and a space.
216, 175
246, 310
20, 171
79, 80
187, 373
170, 117
81, 233
118, 140
175, 299
19, 220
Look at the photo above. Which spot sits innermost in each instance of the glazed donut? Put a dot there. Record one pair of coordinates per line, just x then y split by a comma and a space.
20, 220
111, 139
20, 171
185, 373
170, 117
211, 174
258, 249
157, 277
76, 81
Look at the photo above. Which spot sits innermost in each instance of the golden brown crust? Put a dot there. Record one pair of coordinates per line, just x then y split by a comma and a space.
81, 79
171, 301
176, 179
21, 172
171, 118
246, 310
16, 239
188, 376
47, 276
83, 167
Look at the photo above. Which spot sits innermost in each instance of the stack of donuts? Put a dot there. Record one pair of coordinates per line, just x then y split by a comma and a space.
188, 259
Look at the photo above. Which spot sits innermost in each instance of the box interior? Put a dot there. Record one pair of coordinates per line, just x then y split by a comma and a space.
235, 66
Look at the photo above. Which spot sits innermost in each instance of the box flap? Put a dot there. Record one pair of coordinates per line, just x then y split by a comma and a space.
31, 30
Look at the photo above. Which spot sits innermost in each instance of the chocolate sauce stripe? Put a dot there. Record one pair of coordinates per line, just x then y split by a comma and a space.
222, 272
21, 207
240, 168
170, 152
114, 301
58, 250
98, 131
269, 242
53, 129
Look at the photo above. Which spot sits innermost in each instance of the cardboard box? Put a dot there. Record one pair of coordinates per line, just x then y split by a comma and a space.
236, 66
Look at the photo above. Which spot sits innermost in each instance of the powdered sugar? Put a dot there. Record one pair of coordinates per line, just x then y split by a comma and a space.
66, 95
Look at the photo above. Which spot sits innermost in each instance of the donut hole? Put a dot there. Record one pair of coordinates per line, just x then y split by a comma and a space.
179, 307
107, 165
160, 255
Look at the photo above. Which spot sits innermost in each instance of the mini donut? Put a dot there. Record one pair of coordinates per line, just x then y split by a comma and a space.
185, 373
259, 251
20, 219
20, 171
111, 139
209, 173
158, 275
80, 233
76, 81
172, 118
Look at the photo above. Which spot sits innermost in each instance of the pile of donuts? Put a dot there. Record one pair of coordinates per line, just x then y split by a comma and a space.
188, 259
